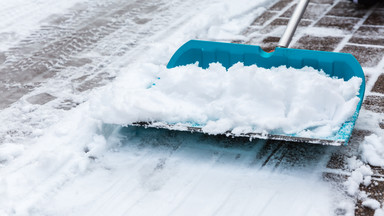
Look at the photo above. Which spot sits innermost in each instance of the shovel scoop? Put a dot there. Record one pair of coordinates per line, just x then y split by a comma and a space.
338, 65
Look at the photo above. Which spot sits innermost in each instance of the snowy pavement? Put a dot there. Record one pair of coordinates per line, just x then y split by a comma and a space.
57, 156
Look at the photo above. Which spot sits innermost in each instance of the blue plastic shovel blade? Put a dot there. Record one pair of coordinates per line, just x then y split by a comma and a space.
340, 65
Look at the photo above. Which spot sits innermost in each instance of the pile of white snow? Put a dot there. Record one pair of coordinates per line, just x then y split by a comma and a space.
241, 99
361, 174
373, 150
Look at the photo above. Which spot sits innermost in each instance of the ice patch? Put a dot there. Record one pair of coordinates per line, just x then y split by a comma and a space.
242, 99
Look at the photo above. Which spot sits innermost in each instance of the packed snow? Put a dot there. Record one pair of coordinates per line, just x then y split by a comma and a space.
242, 99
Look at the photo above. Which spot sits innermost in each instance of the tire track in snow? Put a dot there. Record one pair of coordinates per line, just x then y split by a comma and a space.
72, 54
52, 48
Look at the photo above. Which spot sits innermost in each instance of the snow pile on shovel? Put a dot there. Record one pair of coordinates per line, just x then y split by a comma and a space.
241, 99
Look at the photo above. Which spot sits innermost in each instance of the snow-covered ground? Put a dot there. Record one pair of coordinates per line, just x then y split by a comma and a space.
58, 156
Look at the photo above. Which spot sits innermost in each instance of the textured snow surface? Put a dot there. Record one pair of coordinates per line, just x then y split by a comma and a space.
242, 99
20, 17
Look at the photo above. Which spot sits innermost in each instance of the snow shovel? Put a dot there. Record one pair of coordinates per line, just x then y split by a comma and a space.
340, 65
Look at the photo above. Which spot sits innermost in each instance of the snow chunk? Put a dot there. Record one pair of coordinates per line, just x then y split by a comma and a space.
371, 203
373, 150
241, 99
360, 175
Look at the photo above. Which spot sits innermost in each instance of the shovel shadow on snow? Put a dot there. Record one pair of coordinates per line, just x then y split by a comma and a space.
187, 165
279, 156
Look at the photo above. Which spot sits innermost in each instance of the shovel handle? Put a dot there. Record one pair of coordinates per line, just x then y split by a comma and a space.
293, 23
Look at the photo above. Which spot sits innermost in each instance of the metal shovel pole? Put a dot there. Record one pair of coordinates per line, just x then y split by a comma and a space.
293, 23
